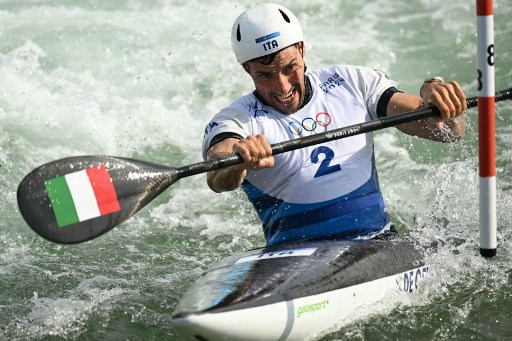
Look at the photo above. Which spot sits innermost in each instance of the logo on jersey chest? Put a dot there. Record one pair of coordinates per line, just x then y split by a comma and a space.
309, 125
257, 110
331, 83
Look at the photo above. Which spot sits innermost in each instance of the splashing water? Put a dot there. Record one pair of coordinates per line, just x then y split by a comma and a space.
141, 79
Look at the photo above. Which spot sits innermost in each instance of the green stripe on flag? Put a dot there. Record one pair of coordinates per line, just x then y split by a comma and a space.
62, 202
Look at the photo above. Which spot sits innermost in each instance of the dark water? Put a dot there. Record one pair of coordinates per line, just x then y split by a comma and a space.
142, 78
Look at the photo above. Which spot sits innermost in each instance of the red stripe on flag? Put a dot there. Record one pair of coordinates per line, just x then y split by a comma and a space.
483, 7
486, 136
104, 190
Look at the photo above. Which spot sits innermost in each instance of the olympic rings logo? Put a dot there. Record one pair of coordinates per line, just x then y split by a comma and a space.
310, 126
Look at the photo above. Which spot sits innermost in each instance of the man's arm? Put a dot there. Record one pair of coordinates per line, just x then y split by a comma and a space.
447, 96
256, 152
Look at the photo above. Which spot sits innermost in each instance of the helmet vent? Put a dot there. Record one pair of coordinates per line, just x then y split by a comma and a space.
238, 35
285, 17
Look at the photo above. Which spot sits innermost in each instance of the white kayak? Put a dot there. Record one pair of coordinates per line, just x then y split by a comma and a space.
294, 292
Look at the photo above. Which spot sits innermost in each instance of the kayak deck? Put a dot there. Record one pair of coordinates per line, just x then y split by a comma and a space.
291, 291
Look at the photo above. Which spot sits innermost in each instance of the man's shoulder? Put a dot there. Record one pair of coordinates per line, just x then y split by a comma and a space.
355, 76
344, 69
341, 71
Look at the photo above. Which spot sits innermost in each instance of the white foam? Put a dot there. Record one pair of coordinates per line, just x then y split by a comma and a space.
143, 78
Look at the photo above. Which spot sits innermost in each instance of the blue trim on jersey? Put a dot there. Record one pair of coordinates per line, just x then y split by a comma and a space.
358, 213
310, 215
358, 224
259, 199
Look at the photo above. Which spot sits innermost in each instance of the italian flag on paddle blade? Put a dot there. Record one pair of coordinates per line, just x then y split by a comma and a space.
82, 195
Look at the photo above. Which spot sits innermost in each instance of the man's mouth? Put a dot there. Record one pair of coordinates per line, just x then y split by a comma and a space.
286, 98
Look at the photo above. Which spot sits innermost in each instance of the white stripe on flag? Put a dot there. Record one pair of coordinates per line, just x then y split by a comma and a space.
83, 195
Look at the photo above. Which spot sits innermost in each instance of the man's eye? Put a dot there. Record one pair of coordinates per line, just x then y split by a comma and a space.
291, 67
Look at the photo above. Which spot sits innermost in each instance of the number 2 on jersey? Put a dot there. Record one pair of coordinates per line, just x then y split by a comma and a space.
325, 166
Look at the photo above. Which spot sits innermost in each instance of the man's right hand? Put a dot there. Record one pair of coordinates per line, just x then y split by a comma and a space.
256, 152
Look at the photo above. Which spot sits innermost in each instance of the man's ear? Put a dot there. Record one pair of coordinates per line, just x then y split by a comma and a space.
302, 48
246, 68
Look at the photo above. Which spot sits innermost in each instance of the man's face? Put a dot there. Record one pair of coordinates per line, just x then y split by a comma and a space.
281, 83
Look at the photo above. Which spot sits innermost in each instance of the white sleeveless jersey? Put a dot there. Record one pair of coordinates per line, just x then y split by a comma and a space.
322, 191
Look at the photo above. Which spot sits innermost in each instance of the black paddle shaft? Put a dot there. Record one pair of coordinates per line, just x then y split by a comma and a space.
356, 129
137, 182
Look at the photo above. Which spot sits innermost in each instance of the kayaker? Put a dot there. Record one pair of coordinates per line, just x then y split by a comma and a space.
323, 191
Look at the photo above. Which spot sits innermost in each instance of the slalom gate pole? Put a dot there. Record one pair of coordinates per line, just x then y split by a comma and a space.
486, 127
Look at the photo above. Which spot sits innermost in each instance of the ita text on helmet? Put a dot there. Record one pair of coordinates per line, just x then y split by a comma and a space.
264, 29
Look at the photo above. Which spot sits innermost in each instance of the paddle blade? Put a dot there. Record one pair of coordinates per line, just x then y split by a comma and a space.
76, 199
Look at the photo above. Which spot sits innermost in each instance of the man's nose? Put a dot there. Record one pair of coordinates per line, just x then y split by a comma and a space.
283, 85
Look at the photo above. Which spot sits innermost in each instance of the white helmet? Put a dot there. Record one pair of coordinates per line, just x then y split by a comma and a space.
264, 29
